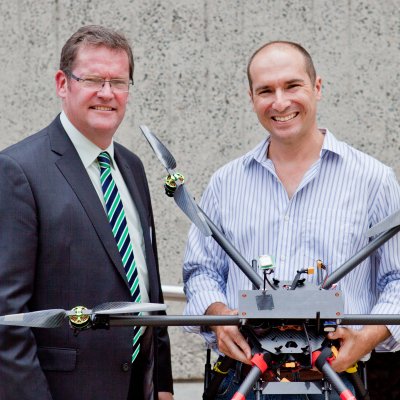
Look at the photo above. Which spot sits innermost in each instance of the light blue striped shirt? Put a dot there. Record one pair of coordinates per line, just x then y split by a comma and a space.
340, 197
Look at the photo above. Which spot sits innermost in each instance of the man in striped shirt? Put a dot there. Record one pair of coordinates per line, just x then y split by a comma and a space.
300, 195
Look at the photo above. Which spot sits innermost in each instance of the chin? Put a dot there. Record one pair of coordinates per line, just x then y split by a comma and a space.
106, 129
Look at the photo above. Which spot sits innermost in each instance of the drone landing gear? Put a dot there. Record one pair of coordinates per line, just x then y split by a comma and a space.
254, 381
321, 361
260, 365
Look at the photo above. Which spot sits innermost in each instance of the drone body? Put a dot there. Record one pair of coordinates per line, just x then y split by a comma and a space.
286, 324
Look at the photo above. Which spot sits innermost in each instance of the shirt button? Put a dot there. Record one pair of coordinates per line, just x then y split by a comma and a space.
125, 367
286, 218
283, 258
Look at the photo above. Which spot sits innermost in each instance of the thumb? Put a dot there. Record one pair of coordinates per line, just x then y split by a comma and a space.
338, 334
331, 335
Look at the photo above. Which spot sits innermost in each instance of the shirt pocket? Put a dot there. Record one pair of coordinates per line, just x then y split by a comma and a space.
330, 235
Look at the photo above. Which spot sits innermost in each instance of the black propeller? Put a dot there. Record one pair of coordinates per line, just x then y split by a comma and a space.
181, 195
186, 203
55, 318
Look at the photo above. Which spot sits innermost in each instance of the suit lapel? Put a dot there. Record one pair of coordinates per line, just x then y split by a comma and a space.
131, 181
74, 172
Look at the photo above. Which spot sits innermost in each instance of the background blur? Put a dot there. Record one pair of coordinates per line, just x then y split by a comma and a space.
191, 89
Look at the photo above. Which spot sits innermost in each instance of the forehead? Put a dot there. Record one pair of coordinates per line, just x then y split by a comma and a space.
100, 59
278, 62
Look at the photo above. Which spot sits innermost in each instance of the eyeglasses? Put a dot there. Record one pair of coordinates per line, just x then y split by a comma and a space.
96, 83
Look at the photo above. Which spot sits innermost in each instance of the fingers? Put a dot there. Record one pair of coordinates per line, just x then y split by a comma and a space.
340, 365
232, 343
229, 339
340, 333
349, 349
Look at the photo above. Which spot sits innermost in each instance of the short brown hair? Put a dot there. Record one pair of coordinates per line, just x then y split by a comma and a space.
310, 69
94, 35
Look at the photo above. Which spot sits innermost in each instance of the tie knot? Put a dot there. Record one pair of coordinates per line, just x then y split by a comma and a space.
104, 160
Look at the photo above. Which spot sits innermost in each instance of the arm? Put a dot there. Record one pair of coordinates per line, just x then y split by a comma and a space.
18, 248
386, 262
205, 276
354, 344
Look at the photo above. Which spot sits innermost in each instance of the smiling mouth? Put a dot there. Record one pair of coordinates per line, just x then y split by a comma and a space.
102, 108
285, 118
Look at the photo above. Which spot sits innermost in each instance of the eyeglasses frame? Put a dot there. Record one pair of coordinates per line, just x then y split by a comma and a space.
78, 79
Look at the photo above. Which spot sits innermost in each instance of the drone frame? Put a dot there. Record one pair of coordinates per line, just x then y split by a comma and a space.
108, 318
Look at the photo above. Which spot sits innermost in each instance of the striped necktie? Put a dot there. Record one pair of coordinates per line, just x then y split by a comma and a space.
116, 217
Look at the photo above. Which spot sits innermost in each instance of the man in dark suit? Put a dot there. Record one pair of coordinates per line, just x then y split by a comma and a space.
57, 248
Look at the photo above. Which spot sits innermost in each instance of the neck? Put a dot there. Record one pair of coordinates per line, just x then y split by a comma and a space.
100, 140
292, 160
296, 152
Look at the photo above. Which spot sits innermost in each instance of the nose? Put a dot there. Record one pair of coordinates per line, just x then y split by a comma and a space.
106, 91
281, 101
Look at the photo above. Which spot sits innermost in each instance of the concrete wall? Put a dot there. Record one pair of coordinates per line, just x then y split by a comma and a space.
190, 87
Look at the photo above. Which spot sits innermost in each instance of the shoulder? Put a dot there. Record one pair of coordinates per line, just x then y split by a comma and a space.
34, 146
366, 165
27, 156
27, 145
358, 162
369, 181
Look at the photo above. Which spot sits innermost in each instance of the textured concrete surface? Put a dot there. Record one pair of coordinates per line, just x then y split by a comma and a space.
188, 390
190, 87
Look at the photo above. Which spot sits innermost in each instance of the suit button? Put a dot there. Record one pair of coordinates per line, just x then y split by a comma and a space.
125, 367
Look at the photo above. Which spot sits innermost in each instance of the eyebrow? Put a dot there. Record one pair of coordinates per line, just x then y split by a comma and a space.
294, 81
101, 77
287, 83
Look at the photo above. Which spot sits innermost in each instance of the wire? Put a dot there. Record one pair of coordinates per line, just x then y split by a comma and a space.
268, 281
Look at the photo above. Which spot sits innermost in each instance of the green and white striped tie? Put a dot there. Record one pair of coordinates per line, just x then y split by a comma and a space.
116, 217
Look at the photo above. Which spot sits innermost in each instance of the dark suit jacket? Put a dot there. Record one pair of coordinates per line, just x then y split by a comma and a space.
57, 251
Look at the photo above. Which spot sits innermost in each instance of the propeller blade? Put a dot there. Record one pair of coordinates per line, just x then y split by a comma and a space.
386, 224
187, 204
182, 198
127, 308
36, 319
162, 153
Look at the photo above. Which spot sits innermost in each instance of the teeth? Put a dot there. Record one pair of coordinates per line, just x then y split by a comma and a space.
283, 119
101, 108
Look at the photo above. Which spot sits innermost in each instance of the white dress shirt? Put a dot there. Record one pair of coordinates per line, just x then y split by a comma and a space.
88, 153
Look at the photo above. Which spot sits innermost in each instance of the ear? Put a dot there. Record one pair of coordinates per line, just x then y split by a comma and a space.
61, 84
318, 87
250, 92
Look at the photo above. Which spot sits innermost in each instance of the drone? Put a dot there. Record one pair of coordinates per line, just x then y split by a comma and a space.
285, 323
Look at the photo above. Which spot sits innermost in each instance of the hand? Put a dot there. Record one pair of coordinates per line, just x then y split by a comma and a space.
165, 396
229, 339
356, 344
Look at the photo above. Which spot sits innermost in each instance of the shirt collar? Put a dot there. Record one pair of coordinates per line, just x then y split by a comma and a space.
331, 144
259, 153
87, 150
